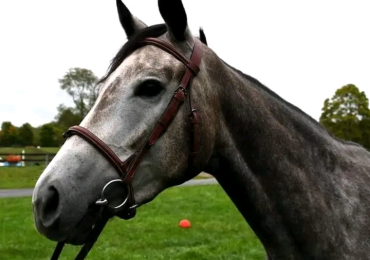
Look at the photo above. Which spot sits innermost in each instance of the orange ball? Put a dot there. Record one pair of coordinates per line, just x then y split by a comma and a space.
184, 223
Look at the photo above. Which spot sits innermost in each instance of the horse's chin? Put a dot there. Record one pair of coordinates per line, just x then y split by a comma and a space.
79, 234
76, 235
77, 239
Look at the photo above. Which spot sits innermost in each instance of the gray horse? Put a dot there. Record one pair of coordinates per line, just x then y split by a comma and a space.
305, 193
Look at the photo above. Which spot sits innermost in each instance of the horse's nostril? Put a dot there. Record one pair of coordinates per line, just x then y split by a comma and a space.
49, 212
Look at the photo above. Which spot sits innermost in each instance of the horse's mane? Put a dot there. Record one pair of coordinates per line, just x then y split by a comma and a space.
130, 45
151, 31
293, 107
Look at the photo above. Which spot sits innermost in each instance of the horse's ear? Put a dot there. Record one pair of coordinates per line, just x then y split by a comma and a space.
129, 22
202, 36
173, 13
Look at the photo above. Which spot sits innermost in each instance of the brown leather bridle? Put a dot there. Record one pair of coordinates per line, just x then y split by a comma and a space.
126, 169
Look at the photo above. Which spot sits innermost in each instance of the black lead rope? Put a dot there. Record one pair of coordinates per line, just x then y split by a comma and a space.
57, 251
93, 237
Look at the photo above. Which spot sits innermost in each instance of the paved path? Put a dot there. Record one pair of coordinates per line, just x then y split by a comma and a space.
199, 182
16, 193
28, 192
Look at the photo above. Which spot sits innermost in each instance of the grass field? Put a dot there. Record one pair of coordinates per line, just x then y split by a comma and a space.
50, 149
218, 231
26, 177
11, 150
19, 177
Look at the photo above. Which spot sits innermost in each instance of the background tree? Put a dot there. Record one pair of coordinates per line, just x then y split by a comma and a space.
25, 135
80, 84
347, 114
48, 135
67, 117
365, 132
36, 136
9, 135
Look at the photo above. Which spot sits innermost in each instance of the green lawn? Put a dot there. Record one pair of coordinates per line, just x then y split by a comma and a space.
19, 177
26, 177
11, 150
218, 231
50, 149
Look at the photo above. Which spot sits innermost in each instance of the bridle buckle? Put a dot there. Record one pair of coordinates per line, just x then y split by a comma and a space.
182, 89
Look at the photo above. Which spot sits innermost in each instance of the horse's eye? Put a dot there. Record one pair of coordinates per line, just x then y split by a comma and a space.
149, 88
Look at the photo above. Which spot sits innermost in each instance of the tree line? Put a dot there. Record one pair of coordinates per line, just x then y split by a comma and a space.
346, 114
81, 85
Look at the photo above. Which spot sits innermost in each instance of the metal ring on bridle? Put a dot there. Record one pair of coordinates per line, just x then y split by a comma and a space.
104, 202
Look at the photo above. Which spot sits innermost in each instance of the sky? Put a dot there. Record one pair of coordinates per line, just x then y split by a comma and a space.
302, 50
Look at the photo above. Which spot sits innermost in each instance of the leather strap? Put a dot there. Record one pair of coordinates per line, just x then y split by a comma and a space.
100, 146
174, 105
191, 64
195, 121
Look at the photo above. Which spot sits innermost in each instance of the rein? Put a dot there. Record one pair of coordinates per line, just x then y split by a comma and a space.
126, 169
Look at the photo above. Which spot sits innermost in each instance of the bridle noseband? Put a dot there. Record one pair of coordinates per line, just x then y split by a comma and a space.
126, 169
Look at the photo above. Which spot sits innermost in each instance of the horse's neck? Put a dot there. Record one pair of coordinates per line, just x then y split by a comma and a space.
267, 162
273, 137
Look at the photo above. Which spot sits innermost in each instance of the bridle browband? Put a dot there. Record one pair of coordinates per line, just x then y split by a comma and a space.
126, 169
